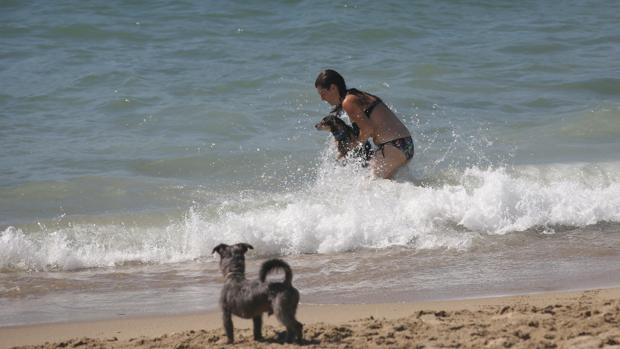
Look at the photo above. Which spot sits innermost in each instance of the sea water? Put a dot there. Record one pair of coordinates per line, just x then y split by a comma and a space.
137, 135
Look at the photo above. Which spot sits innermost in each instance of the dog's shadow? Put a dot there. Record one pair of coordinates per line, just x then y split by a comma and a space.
280, 338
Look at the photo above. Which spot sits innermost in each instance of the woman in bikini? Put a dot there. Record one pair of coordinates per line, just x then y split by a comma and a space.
374, 120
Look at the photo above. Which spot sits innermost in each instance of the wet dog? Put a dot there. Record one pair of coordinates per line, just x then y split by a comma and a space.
249, 299
345, 136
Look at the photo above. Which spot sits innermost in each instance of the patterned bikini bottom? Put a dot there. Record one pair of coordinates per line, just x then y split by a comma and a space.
405, 145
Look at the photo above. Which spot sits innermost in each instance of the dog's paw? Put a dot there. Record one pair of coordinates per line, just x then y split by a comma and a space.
281, 337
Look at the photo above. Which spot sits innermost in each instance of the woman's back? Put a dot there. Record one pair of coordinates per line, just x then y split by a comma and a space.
384, 124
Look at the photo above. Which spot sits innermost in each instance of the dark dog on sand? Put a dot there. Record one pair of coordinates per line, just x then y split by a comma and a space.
346, 137
249, 299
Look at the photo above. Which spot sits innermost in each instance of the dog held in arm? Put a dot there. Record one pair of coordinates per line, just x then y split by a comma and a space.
249, 299
345, 136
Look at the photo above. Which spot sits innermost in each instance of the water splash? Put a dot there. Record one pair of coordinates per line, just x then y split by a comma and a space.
342, 208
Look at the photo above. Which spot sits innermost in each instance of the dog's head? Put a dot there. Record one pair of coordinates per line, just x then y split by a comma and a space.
232, 257
330, 123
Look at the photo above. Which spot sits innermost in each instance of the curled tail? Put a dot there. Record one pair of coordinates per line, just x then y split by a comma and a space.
274, 264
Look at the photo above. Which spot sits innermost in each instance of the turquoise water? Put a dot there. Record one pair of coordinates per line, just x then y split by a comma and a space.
142, 134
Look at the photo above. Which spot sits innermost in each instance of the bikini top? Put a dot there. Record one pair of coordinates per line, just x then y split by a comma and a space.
367, 111
371, 106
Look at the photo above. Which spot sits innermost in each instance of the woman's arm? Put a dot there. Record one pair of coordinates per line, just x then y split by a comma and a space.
351, 106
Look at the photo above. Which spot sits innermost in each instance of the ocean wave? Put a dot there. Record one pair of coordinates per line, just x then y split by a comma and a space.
532, 48
90, 32
601, 86
600, 125
342, 210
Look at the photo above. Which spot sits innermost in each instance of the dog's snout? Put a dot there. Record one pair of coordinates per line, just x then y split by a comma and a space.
321, 126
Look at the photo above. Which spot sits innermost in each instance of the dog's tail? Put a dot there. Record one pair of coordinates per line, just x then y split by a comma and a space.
275, 264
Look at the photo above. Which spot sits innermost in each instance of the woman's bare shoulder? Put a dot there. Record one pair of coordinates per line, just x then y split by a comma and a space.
352, 101
352, 105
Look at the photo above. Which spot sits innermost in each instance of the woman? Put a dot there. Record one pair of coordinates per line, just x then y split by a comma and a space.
374, 120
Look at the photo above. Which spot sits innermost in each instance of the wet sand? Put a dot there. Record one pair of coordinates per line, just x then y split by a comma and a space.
586, 319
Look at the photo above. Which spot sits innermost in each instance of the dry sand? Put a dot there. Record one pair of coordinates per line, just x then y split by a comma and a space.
589, 319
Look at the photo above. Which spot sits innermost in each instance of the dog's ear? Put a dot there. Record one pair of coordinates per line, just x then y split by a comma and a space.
245, 247
219, 248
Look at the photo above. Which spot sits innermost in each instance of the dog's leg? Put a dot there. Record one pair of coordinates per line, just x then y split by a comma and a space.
299, 332
293, 327
258, 325
296, 330
228, 326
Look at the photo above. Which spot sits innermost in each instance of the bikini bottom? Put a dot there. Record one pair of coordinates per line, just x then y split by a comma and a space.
404, 144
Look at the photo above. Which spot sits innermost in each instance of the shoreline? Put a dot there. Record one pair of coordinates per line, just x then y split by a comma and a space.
335, 324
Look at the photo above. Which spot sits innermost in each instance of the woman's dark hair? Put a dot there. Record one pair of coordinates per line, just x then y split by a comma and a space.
330, 77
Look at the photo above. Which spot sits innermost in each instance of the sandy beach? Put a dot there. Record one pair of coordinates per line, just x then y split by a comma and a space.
585, 319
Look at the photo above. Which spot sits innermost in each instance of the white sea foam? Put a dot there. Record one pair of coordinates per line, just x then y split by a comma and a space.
342, 210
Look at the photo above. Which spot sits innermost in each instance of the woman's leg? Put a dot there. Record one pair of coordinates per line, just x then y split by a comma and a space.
385, 163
